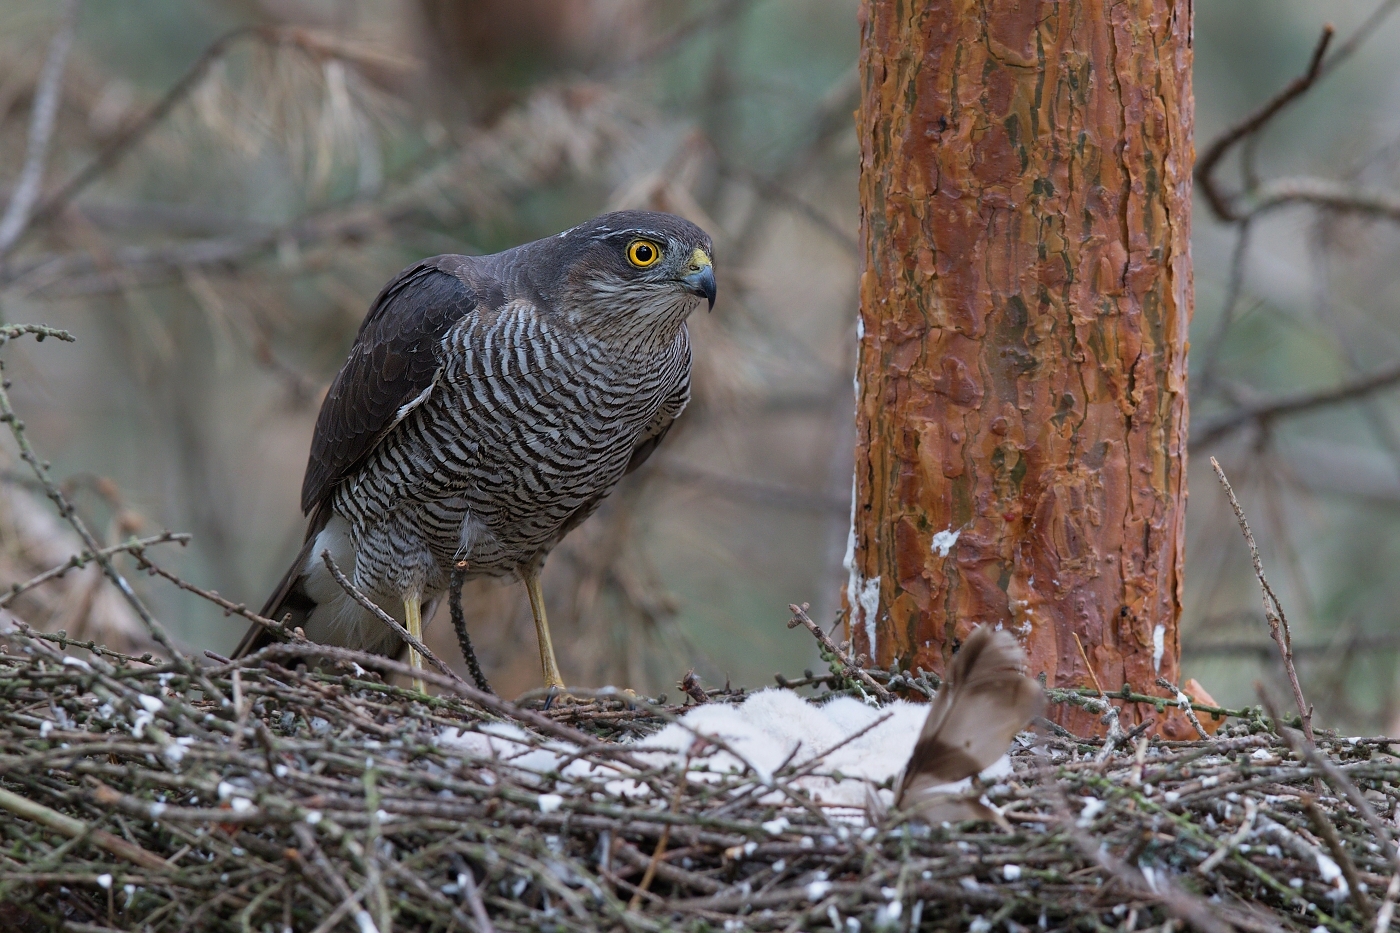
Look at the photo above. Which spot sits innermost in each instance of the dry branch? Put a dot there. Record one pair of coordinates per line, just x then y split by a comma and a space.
17, 214
848, 667
1269, 410
1320, 192
1273, 609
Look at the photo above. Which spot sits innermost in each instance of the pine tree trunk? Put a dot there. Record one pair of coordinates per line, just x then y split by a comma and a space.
1026, 290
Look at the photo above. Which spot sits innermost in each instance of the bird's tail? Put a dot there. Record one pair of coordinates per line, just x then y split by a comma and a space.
289, 600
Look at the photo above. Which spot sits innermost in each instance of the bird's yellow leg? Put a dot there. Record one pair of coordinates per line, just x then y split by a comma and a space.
530, 576
413, 618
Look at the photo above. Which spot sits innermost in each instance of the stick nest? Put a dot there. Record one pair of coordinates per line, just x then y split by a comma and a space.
262, 796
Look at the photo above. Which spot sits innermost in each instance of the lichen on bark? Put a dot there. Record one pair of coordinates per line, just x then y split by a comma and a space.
1025, 295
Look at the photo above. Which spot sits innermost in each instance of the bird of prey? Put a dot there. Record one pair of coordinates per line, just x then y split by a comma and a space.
488, 405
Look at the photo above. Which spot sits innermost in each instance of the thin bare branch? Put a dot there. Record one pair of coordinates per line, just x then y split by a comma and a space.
1220, 202
393, 624
1227, 205
78, 561
1273, 610
1297, 403
850, 668
47, 94
1322, 825
77, 829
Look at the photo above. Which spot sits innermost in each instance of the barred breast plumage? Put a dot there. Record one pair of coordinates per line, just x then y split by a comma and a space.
487, 407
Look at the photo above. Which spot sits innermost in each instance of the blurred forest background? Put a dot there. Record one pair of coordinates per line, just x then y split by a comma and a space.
219, 208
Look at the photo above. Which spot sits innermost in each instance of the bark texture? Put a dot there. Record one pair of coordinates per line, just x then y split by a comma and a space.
1021, 393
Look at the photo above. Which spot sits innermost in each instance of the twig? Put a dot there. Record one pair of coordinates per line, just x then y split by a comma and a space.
9, 332
350, 901
483, 920
229, 607
1318, 191
1322, 825
1387, 911
665, 837
1183, 703
1273, 609
69, 514
1111, 713
393, 624
459, 625
1251, 812
1294, 404
1307, 751
852, 672
41, 120
74, 828
78, 561
1181, 903
63, 641
1222, 204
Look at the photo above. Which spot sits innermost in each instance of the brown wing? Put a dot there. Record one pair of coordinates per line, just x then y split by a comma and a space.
394, 359
983, 703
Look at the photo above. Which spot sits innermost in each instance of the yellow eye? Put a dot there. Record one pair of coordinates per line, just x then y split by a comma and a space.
643, 253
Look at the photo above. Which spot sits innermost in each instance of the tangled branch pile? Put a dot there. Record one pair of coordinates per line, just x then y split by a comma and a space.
260, 795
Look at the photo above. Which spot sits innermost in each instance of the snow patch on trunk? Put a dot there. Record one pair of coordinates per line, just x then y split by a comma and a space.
863, 595
943, 541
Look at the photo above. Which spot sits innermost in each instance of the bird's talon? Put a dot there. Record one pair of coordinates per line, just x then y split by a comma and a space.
559, 695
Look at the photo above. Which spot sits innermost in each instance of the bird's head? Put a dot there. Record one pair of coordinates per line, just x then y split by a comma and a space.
642, 265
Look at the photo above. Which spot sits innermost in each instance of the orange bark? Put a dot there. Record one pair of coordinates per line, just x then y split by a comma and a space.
1025, 295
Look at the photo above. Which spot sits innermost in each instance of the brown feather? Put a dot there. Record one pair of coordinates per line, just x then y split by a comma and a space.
984, 701
288, 598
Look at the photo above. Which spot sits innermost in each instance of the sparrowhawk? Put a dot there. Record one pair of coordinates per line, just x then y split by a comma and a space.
488, 405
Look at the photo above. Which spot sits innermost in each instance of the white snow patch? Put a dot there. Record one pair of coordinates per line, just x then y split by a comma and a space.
1093, 806
776, 827
1159, 646
104, 881
140, 722
868, 596
943, 541
1011, 872
863, 595
550, 802
1332, 874
174, 753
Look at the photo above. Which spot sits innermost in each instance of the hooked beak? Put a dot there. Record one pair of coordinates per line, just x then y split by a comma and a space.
701, 280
